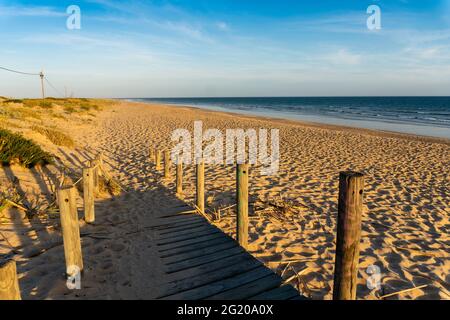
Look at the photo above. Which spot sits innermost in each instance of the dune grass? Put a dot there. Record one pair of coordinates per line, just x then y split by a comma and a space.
15, 149
7, 101
20, 115
56, 137
19, 112
22, 109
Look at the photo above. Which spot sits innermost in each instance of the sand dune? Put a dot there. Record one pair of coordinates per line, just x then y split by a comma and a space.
405, 224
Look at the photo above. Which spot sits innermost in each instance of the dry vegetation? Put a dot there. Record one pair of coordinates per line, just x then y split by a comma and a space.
33, 132
29, 124
56, 137
8, 196
108, 185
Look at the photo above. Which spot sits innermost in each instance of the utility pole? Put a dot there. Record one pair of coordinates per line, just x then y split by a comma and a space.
42, 84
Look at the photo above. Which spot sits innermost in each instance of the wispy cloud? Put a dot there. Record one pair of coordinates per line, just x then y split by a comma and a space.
343, 57
185, 29
338, 22
223, 26
30, 11
147, 14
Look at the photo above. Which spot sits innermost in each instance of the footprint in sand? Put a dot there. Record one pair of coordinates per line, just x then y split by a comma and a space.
117, 247
97, 249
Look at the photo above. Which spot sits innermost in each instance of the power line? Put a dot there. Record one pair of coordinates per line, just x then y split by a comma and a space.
41, 75
57, 91
20, 72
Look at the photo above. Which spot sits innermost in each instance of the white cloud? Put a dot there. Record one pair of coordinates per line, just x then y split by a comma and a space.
22, 11
222, 26
149, 14
117, 48
185, 29
343, 57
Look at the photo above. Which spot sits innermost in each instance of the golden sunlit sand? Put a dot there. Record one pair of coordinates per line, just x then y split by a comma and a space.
404, 228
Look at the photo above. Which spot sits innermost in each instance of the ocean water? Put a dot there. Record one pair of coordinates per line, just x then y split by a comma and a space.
429, 116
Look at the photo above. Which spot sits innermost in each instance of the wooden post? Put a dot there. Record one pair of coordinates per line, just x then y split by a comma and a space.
158, 160
70, 228
9, 284
95, 165
152, 155
167, 163
350, 206
99, 158
242, 204
101, 166
179, 176
200, 196
88, 193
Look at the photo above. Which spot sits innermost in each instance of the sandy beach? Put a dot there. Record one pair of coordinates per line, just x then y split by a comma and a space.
405, 226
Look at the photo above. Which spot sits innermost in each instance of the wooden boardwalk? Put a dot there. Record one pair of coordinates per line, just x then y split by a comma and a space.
208, 264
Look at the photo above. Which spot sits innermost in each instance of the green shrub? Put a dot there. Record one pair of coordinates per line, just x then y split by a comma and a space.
30, 103
14, 148
55, 136
85, 107
46, 104
13, 101
69, 109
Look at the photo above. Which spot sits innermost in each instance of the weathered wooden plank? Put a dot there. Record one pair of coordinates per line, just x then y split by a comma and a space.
189, 212
175, 224
195, 247
299, 297
222, 285
184, 237
177, 211
200, 228
178, 219
249, 289
285, 292
199, 253
189, 242
181, 218
205, 263
179, 226
211, 267
191, 263
211, 276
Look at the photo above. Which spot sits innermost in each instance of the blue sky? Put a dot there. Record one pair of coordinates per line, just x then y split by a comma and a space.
227, 48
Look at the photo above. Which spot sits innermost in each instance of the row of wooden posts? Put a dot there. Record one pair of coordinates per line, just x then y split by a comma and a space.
66, 196
350, 203
350, 207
